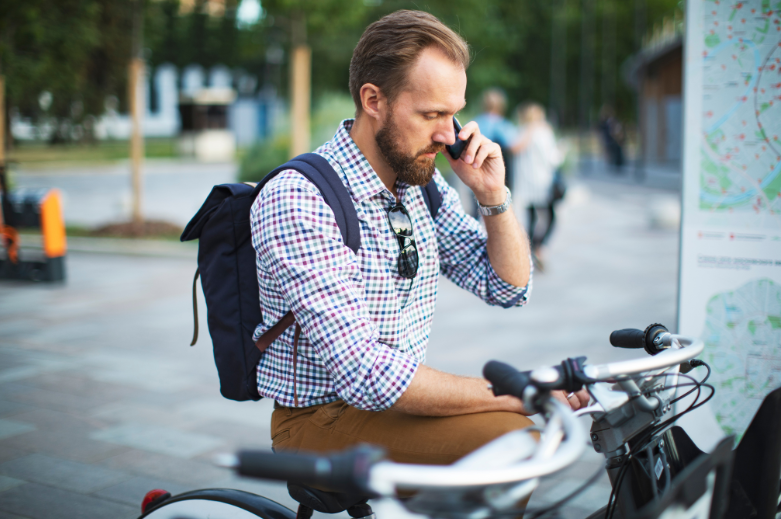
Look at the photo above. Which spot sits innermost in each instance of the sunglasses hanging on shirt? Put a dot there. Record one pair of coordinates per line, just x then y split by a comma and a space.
401, 224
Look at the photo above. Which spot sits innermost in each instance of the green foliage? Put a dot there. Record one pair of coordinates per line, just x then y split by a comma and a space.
331, 109
70, 48
263, 157
511, 42
78, 50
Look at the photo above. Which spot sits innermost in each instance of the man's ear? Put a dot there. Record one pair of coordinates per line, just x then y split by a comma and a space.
372, 100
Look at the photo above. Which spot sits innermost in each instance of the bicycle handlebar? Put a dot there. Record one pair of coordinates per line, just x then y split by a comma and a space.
363, 469
651, 339
680, 350
506, 380
347, 470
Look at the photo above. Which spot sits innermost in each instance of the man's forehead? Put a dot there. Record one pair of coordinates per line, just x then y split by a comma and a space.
437, 83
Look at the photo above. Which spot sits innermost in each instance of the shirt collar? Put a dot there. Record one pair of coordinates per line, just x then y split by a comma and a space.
362, 179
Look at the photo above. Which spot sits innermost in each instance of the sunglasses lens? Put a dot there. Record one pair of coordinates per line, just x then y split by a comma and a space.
400, 222
408, 262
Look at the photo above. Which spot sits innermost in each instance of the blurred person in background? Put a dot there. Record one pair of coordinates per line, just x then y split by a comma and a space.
493, 125
536, 159
611, 132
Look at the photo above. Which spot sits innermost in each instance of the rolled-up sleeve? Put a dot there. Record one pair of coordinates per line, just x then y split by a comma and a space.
463, 254
296, 236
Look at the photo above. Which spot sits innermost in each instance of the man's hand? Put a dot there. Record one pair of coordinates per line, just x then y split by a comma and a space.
481, 166
575, 400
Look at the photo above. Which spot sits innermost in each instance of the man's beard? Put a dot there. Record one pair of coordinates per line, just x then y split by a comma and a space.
409, 169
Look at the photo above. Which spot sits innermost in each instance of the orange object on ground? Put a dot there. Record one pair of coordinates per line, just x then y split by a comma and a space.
10, 241
52, 225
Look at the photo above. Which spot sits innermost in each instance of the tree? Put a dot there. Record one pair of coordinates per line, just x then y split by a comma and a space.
76, 50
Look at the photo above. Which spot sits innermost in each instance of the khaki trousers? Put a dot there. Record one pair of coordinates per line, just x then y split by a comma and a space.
407, 438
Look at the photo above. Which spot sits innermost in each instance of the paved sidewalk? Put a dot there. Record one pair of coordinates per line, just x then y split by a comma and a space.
102, 399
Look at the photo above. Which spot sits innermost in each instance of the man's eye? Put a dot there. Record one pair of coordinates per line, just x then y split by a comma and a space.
431, 117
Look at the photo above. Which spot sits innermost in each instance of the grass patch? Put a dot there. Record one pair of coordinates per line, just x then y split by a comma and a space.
149, 229
101, 151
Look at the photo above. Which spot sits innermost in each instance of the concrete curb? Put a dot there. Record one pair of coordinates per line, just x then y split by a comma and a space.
123, 247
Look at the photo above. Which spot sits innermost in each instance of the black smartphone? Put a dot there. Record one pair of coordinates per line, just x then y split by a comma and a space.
456, 149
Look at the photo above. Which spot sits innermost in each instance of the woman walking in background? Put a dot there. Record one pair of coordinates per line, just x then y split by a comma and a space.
536, 159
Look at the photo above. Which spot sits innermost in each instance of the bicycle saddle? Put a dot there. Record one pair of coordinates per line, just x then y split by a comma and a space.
330, 502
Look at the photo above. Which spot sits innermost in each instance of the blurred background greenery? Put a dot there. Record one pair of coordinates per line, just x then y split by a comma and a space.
77, 51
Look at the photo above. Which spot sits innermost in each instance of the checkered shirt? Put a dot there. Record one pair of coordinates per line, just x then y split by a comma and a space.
364, 328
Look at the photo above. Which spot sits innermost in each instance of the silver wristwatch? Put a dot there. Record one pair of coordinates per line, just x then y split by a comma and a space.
491, 210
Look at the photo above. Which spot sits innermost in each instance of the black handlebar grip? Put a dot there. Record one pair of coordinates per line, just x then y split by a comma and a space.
310, 469
346, 471
628, 338
505, 379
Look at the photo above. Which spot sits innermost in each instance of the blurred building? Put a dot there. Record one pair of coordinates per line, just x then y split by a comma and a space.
656, 72
202, 108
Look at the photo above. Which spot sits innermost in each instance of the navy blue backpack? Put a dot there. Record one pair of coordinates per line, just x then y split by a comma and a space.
226, 265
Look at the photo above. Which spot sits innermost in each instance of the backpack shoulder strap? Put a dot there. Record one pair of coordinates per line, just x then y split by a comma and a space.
432, 197
320, 172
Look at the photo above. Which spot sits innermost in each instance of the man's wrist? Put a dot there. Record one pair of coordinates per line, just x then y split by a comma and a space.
492, 210
492, 198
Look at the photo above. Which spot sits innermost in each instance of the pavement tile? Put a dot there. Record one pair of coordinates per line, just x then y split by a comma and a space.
237, 435
6, 483
11, 388
168, 468
10, 428
132, 491
11, 408
129, 412
65, 444
60, 401
43, 502
75, 383
244, 415
47, 419
155, 438
8, 453
64, 474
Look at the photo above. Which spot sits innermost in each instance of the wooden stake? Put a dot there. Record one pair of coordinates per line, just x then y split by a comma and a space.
137, 105
2, 121
301, 67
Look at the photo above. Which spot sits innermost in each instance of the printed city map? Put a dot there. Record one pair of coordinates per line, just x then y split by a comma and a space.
730, 290
742, 334
741, 155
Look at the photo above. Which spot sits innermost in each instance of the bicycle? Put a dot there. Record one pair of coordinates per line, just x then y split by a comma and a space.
633, 415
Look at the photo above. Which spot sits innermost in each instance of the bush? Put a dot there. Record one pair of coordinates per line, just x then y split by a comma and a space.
263, 157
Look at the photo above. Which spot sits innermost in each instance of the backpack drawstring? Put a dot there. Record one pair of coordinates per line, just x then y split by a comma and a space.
195, 306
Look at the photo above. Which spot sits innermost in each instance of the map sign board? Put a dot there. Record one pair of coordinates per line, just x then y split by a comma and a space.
730, 270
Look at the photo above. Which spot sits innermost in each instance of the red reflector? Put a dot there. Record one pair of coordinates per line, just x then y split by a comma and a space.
154, 498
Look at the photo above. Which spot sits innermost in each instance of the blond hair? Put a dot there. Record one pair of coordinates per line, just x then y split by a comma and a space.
389, 47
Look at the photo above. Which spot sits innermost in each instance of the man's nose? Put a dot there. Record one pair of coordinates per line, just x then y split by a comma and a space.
445, 132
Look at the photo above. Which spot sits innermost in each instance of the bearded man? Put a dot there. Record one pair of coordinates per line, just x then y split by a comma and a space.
365, 318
